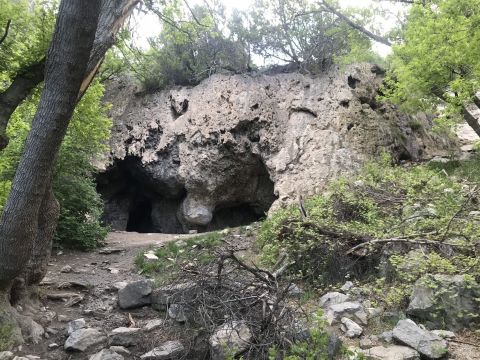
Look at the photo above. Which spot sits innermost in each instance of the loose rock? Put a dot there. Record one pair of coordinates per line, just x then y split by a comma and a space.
75, 325
106, 354
393, 352
425, 342
347, 309
6, 355
83, 339
168, 350
351, 328
124, 336
135, 294
153, 325
230, 338
332, 298
171, 294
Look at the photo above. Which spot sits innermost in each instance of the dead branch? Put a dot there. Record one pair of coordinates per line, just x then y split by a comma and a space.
5, 34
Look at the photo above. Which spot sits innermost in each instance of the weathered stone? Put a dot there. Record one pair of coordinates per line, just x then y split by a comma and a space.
392, 352
228, 339
178, 313
84, 339
169, 350
106, 354
347, 286
445, 301
444, 334
120, 349
150, 257
294, 290
334, 346
75, 325
332, 298
66, 269
351, 310
6, 355
124, 336
173, 294
135, 294
426, 343
153, 325
386, 336
366, 343
53, 346
351, 328
234, 137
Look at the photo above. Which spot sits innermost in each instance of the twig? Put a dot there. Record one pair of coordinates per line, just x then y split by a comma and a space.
472, 193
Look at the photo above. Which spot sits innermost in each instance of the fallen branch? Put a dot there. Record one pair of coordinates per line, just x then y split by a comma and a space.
5, 34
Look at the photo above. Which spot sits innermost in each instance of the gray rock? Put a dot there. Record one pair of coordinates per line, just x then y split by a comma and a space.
392, 352
178, 313
75, 325
53, 346
294, 290
168, 350
386, 336
445, 301
120, 350
366, 343
135, 294
106, 354
66, 269
229, 338
351, 310
84, 339
351, 328
153, 325
347, 286
173, 294
444, 334
124, 336
334, 346
332, 298
6, 355
426, 343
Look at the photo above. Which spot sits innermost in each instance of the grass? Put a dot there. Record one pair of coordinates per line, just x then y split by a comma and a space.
175, 255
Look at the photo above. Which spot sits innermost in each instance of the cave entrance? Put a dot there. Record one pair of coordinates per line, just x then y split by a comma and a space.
140, 216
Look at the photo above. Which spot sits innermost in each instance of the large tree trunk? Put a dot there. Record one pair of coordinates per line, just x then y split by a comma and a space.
65, 70
112, 17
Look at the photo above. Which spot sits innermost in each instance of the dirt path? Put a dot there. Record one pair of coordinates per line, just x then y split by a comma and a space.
82, 285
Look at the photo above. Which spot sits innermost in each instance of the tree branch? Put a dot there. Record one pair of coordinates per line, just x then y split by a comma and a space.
354, 25
5, 34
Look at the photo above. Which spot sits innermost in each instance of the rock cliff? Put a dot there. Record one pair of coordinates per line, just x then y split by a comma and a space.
224, 152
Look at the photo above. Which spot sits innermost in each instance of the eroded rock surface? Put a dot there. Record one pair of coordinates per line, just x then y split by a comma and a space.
228, 149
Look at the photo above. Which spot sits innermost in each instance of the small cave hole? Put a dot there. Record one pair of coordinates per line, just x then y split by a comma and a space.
350, 126
345, 103
352, 82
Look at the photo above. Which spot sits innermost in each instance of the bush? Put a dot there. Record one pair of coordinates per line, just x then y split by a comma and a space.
409, 204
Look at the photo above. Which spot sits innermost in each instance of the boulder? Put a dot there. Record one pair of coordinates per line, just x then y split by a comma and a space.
351, 310
84, 339
167, 351
425, 342
229, 339
366, 343
124, 336
351, 328
332, 298
173, 294
135, 294
445, 301
444, 334
75, 325
106, 354
392, 352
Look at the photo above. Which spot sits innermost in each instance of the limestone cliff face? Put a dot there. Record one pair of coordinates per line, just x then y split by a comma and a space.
250, 141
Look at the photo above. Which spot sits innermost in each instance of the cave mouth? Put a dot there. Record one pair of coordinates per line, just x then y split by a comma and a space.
134, 204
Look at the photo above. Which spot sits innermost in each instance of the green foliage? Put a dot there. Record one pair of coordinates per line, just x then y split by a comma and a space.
175, 255
381, 202
439, 61
73, 185
29, 35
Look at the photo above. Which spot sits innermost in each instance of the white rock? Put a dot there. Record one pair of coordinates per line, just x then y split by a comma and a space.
167, 351
150, 257
231, 337
393, 352
444, 334
347, 286
351, 310
124, 336
106, 354
66, 269
332, 298
153, 324
120, 349
351, 328
6, 355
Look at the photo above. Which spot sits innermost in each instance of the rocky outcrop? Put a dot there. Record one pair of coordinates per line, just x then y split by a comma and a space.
223, 152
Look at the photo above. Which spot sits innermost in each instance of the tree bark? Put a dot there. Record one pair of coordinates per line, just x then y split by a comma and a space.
470, 119
112, 17
65, 71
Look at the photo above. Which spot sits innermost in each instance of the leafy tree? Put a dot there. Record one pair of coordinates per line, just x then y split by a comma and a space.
438, 64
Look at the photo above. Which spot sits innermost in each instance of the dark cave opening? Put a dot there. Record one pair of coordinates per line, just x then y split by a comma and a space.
140, 216
134, 204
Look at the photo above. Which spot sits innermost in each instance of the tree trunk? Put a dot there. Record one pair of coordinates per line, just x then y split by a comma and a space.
65, 70
112, 17
471, 119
